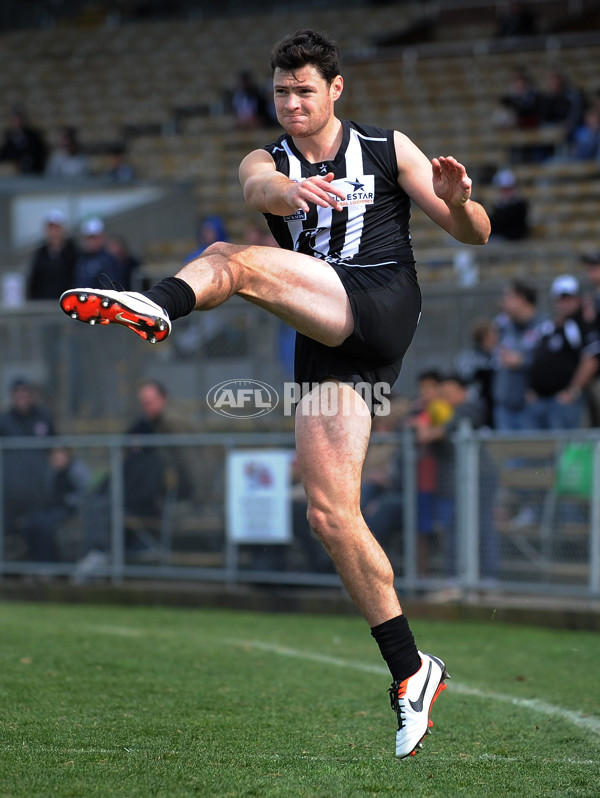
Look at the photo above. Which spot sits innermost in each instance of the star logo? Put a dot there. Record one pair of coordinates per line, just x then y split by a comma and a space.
323, 169
356, 184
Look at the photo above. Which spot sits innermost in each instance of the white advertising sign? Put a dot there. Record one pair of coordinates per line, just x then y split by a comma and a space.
258, 502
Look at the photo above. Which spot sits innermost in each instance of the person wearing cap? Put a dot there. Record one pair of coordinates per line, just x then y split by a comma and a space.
95, 260
510, 211
564, 361
52, 266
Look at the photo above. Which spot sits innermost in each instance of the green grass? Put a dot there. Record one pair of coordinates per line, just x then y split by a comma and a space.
105, 701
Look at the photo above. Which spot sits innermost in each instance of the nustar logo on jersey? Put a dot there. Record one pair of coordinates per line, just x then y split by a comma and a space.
242, 398
360, 191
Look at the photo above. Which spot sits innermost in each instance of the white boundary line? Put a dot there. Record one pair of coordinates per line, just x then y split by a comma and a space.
587, 722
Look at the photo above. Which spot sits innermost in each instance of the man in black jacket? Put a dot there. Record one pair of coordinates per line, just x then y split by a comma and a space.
23, 145
23, 469
564, 362
53, 263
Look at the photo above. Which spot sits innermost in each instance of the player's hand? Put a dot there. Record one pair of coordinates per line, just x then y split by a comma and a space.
450, 181
316, 190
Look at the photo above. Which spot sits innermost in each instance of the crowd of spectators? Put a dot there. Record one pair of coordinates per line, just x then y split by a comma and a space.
554, 357
63, 260
32, 151
556, 105
46, 486
537, 370
526, 370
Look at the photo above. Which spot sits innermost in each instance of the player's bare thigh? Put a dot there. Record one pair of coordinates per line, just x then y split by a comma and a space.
333, 426
303, 291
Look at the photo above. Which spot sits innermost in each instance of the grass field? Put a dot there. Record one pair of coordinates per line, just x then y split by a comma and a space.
106, 701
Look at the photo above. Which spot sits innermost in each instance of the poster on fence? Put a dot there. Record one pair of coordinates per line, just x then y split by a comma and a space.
258, 502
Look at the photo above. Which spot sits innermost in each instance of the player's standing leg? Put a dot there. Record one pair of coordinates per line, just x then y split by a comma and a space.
331, 449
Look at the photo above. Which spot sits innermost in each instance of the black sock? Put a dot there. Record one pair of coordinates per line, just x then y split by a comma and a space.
173, 295
398, 648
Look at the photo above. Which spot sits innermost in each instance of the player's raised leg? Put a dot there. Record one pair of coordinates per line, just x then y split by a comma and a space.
304, 292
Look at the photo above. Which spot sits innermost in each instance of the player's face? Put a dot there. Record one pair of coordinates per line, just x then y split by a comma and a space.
151, 401
304, 101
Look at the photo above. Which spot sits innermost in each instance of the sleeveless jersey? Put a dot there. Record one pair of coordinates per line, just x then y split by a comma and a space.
372, 229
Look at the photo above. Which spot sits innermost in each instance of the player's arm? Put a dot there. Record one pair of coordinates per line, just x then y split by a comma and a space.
268, 191
442, 189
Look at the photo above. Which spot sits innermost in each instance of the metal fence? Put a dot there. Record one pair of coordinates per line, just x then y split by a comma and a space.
518, 514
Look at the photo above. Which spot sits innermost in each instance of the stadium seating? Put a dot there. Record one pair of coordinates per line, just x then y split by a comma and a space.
161, 87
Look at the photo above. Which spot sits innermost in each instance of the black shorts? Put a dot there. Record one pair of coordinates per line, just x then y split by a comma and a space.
386, 305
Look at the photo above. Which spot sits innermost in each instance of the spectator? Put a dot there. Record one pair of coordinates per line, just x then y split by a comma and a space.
95, 260
23, 145
509, 213
591, 260
67, 162
518, 335
591, 312
561, 105
119, 169
162, 419
210, 230
52, 267
431, 410
439, 438
258, 235
521, 103
145, 488
130, 263
62, 494
152, 476
564, 360
586, 138
518, 20
249, 103
431, 406
23, 470
475, 365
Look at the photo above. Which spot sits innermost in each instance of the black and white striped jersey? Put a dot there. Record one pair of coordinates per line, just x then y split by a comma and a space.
372, 229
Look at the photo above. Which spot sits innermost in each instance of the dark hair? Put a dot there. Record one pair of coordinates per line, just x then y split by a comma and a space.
430, 374
454, 376
525, 290
479, 330
157, 385
307, 47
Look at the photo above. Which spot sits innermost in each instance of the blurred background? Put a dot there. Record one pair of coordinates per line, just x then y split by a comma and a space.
125, 122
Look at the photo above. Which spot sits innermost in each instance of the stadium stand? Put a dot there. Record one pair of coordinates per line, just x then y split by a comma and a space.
159, 86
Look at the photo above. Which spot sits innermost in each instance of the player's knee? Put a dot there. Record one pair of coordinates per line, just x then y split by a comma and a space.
326, 522
220, 249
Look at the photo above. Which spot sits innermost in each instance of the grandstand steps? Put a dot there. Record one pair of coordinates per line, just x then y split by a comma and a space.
161, 87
